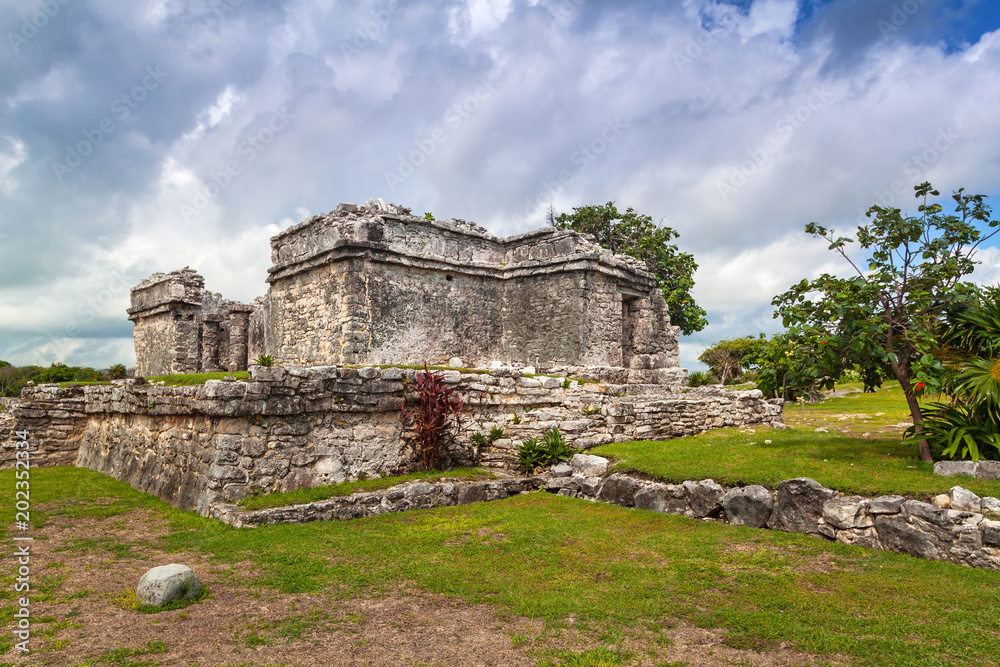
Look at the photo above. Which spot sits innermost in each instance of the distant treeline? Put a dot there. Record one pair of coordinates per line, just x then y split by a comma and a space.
14, 378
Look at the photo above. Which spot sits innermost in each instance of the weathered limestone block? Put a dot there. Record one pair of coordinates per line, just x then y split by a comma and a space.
167, 583
653, 498
990, 532
847, 513
562, 470
748, 506
556, 484
799, 506
963, 499
587, 465
988, 470
862, 537
952, 468
885, 505
704, 498
618, 490
909, 536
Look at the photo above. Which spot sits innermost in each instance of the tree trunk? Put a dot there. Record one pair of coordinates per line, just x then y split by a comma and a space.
911, 401
901, 369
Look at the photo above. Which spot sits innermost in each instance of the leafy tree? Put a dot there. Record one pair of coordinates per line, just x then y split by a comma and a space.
117, 372
731, 358
4, 364
59, 372
9, 378
634, 234
886, 321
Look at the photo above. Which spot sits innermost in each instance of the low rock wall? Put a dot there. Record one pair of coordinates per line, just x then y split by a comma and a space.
960, 528
963, 528
415, 495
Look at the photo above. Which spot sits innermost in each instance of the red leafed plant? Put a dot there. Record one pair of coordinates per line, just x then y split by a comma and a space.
433, 409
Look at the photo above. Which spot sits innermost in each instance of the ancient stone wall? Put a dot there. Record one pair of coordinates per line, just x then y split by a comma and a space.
289, 428
54, 418
960, 527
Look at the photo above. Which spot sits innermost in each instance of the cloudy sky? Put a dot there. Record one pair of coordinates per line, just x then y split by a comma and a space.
147, 135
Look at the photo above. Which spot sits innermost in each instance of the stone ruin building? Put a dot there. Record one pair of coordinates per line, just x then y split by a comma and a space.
374, 285
552, 330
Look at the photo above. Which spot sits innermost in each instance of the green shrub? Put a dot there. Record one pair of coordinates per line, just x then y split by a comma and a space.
556, 446
968, 425
552, 449
59, 372
531, 454
699, 379
485, 439
958, 431
264, 360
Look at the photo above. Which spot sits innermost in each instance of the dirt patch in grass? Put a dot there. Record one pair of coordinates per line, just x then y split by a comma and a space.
84, 564
700, 647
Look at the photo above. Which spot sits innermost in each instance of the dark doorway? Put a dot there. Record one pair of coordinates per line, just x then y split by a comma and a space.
629, 315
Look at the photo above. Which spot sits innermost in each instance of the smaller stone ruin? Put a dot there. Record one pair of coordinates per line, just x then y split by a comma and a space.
182, 328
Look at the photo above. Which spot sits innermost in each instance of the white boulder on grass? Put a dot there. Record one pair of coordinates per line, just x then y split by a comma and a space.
167, 583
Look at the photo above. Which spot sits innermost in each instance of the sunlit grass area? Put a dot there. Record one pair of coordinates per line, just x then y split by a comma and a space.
858, 450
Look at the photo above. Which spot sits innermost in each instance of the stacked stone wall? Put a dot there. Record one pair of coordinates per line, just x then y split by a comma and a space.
289, 428
55, 420
311, 315
960, 527
441, 313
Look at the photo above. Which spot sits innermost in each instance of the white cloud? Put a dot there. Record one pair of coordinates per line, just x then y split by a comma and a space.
709, 95
56, 85
476, 17
771, 16
11, 158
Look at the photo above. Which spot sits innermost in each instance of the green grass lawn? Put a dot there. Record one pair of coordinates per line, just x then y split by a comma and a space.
619, 572
860, 453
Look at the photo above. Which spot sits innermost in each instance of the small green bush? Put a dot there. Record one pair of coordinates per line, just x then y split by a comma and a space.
264, 360
485, 439
699, 379
552, 449
531, 454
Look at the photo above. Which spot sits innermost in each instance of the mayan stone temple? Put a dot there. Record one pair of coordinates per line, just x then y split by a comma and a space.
539, 331
374, 285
